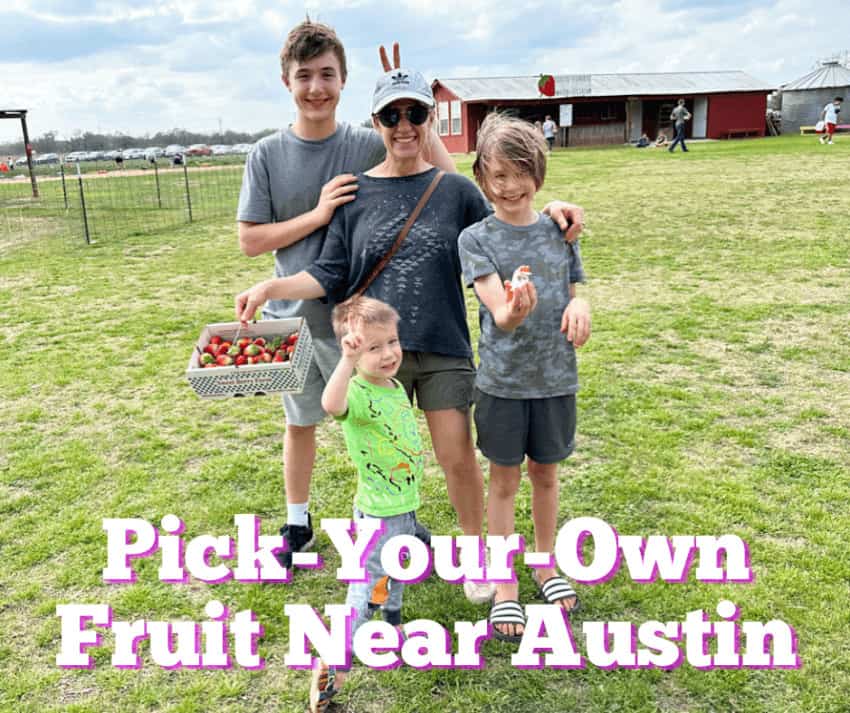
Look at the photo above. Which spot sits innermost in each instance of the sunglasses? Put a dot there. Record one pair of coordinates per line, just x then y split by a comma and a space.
390, 116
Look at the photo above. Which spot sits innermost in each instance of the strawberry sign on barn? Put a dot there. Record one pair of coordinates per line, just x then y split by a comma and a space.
546, 85
606, 108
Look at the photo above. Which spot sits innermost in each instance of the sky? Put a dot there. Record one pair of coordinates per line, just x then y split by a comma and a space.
141, 66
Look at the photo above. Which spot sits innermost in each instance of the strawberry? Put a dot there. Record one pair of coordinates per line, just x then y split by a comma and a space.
275, 344
546, 85
210, 366
290, 349
207, 358
240, 360
253, 359
265, 357
224, 360
279, 356
234, 351
292, 338
227, 344
215, 340
252, 350
222, 349
244, 342
260, 342
211, 349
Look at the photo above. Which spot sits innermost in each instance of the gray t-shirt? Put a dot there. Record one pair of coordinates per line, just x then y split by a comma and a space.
535, 360
283, 178
680, 114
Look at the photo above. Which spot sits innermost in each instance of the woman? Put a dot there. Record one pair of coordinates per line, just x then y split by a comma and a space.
421, 281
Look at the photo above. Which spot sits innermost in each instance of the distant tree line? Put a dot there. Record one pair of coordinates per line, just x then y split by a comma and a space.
91, 141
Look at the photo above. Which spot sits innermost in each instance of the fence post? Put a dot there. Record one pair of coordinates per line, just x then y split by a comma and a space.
83, 205
156, 178
188, 194
64, 188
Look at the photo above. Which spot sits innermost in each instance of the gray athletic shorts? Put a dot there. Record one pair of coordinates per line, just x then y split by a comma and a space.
438, 381
305, 409
510, 429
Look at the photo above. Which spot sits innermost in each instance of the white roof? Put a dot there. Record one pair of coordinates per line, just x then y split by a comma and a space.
831, 74
604, 85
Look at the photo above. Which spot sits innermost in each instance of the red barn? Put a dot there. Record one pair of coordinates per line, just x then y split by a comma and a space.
606, 108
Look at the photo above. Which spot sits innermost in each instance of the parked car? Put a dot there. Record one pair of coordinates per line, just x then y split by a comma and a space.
242, 148
220, 150
94, 156
152, 153
198, 150
174, 149
134, 153
46, 158
75, 156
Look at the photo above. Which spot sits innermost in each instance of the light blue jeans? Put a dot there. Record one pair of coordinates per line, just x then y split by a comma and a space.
359, 593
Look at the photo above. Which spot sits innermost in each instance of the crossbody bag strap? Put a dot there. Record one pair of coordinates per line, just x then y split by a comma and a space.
401, 236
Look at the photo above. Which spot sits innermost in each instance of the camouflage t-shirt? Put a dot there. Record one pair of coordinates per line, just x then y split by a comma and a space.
383, 441
535, 360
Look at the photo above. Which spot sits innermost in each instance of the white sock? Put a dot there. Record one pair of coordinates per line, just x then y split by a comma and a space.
296, 514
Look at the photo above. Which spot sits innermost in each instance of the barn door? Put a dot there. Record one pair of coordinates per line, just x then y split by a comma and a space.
635, 113
700, 117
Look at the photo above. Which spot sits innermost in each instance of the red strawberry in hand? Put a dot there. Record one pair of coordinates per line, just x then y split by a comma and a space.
546, 85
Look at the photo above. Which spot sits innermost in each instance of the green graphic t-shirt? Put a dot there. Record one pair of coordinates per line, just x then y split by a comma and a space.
383, 441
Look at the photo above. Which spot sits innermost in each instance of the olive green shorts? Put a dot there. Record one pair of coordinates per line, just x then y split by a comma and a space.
438, 381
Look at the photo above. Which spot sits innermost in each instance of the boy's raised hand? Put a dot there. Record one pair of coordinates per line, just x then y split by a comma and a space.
352, 344
575, 322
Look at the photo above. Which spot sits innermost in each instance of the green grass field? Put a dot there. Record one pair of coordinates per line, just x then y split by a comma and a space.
715, 400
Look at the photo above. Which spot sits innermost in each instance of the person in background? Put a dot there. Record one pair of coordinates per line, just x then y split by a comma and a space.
550, 130
679, 116
829, 116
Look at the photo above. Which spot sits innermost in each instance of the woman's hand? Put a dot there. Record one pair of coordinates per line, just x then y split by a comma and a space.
575, 322
385, 61
246, 303
569, 217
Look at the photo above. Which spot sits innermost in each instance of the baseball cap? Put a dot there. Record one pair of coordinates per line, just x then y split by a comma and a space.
401, 84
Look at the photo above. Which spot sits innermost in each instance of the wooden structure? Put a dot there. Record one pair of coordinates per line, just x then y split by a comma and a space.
22, 115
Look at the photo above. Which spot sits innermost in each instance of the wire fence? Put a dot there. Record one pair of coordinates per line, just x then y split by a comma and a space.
98, 202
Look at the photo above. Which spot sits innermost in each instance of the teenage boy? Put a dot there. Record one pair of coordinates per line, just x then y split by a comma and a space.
293, 182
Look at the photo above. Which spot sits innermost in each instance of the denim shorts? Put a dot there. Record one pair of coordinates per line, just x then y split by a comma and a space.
359, 593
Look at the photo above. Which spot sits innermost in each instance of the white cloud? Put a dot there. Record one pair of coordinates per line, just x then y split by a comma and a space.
154, 65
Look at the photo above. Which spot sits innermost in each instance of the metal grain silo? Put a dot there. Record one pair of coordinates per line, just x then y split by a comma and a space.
804, 98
